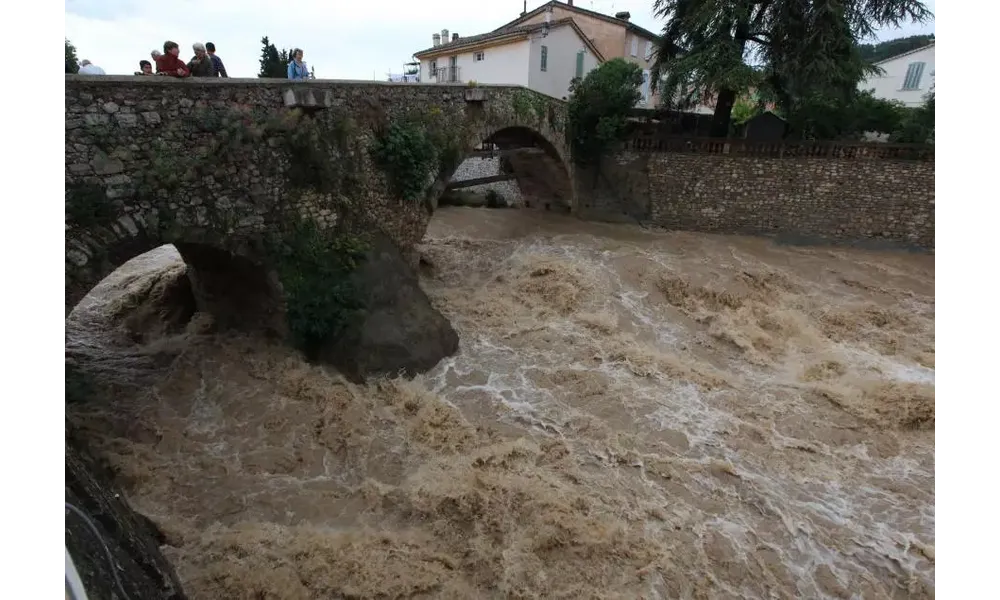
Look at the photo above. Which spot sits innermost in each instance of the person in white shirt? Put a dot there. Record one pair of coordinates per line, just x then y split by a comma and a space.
89, 68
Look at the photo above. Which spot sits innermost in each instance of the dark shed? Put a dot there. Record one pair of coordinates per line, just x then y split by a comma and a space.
765, 127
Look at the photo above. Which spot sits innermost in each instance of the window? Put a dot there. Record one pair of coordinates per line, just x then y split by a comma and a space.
545, 58
649, 50
478, 57
579, 63
913, 74
635, 46
645, 88
434, 68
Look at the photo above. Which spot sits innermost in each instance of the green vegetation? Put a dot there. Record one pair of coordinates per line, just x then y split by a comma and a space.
599, 108
889, 48
788, 50
72, 62
407, 153
87, 205
314, 267
273, 64
527, 104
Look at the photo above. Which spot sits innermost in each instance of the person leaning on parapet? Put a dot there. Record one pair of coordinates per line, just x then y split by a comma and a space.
220, 69
145, 68
201, 63
168, 63
297, 68
89, 68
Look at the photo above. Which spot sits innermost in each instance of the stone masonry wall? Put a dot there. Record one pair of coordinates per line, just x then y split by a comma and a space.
823, 199
124, 132
476, 167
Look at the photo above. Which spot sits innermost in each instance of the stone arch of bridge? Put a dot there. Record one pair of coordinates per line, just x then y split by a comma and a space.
229, 278
549, 175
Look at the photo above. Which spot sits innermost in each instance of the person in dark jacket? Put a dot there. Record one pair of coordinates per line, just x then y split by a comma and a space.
168, 63
220, 69
201, 64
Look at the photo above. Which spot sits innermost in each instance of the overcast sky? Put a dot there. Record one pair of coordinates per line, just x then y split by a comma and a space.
342, 39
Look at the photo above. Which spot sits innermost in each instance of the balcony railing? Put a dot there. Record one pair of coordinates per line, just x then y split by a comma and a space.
446, 75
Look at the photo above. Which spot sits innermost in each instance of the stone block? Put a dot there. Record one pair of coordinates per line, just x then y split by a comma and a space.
106, 165
110, 107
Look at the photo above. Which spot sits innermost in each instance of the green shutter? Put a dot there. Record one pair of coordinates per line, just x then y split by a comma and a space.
579, 63
914, 72
545, 58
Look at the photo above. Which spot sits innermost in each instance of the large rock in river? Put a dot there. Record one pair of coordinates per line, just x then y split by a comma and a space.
399, 332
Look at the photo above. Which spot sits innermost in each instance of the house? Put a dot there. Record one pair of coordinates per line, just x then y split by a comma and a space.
614, 37
907, 77
543, 56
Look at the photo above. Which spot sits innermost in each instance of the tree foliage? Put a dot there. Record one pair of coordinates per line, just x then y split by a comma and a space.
72, 62
889, 48
917, 126
273, 63
789, 50
599, 107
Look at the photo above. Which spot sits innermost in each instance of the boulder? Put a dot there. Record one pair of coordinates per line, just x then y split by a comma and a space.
130, 538
398, 331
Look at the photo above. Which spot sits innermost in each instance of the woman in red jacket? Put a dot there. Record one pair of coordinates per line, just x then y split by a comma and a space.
168, 63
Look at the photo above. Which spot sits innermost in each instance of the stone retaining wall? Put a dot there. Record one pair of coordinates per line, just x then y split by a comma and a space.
825, 199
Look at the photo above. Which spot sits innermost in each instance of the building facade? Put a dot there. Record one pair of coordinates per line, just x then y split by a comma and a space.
906, 77
614, 37
544, 57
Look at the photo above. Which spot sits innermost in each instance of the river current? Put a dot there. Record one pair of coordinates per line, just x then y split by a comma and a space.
631, 414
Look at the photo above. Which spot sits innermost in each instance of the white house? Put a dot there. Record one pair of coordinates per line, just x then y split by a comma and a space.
907, 77
543, 57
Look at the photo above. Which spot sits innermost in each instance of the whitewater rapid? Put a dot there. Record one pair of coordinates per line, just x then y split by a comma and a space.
631, 414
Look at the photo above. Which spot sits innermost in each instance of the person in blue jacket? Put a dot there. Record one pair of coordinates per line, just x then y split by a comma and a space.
297, 67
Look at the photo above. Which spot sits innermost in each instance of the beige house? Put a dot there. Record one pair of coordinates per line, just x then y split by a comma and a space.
614, 37
543, 56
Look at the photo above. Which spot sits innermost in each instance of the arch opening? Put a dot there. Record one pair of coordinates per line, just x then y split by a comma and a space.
517, 163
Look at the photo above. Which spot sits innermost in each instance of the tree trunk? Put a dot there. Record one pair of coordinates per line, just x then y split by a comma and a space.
723, 113
727, 97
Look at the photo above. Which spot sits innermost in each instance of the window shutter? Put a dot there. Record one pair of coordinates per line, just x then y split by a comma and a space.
914, 72
635, 46
579, 63
545, 58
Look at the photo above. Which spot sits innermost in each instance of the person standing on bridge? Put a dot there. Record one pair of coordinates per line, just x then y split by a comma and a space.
220, 69
297, 68
89, 68
168, 63
201, 64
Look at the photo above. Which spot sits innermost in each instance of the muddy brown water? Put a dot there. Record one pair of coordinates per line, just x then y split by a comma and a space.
632, 414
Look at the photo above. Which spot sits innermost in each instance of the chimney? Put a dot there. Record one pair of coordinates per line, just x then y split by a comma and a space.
454, 37
437, 39
524, 10
624, 15
444, 36
570, 2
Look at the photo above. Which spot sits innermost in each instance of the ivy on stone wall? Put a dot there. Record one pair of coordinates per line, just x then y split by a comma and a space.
87, 205
528, 105
314, 267
407, 154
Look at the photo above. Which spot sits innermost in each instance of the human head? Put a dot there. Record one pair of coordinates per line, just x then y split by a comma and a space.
171, 48
210, 47
199, 49
146, 67
297, 54
155, 54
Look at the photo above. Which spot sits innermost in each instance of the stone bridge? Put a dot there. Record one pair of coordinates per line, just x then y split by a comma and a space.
221, 168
